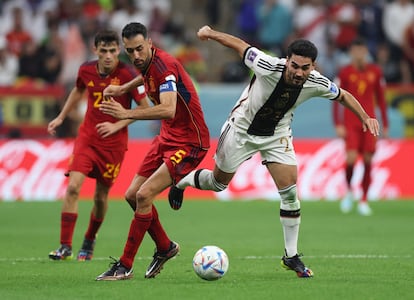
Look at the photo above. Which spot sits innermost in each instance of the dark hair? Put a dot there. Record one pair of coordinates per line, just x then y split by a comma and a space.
132, 29
106, 37
303, 48
359, 41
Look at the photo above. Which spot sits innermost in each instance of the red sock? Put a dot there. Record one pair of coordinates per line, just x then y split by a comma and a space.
94, 225
158, 233
139, 226
349, 171
366, 181
67, 227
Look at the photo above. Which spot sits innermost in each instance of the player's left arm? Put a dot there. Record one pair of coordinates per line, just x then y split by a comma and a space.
350, 102
164, 110
118, 90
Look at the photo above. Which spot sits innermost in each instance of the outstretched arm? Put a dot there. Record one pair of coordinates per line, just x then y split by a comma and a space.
228, 40
368, 123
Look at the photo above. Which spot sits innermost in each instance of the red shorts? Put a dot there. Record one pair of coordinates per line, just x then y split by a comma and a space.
180, 159
357, 139
103, 165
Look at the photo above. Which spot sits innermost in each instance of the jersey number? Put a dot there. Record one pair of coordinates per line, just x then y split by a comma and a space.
177, 157
285, 141
112, 171
98, 99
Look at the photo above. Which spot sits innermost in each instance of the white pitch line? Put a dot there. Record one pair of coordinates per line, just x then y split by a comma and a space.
252, 257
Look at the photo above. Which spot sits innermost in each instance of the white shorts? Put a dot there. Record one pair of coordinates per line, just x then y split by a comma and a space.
236, 146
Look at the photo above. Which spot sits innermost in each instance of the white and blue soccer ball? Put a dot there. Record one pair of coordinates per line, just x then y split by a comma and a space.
210, 263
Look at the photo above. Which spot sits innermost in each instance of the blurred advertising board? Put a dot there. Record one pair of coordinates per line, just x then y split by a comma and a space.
33, 170
28, 108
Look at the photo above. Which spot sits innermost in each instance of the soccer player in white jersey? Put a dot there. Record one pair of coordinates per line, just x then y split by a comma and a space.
260, 122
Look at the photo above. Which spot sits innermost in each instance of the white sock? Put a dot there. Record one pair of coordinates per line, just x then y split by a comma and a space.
291, 234
201, 179
186, 181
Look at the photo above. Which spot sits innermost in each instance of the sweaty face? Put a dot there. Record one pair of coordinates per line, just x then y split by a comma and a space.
298, 69
138, 50
107, 56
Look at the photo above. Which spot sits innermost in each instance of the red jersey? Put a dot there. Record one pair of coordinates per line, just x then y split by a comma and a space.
90, 79
367, 85
188, 126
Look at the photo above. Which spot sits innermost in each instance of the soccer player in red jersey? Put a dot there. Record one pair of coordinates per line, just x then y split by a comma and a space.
178, 149
364, 80
101, 142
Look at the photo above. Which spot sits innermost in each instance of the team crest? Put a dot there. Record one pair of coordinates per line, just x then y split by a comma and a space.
115, 81
151, 84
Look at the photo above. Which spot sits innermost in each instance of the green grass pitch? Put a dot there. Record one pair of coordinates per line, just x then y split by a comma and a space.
352, 257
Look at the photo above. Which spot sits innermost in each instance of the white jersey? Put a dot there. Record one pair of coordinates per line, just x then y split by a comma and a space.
265, 107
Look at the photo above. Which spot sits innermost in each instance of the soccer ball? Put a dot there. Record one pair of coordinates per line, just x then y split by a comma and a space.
210, 263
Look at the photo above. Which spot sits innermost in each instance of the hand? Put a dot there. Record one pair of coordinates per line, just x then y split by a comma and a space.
51, 127
372, 125
113, 108
106, 129
112, 91
203, 33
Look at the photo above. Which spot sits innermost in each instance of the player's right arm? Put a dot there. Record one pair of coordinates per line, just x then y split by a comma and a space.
75, 96
228, 40
118, 90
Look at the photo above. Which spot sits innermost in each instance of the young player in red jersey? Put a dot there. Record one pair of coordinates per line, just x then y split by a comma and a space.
364, 80
101, 142
178, 149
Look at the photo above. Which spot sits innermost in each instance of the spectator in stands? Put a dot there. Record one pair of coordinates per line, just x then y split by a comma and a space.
51, 51
391, 68
30, 61
192, 60
126, 11
397, 16
246, 20
18, 35
408, 49
370, 27
9, 64
343, 24
275, 25
310, 22
213, 11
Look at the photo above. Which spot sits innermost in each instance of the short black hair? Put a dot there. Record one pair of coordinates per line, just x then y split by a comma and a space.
132, 29
358, 41
106, 37
303, 48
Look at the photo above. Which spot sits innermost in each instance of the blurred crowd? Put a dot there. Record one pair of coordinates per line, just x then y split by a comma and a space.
386, 26
45, 41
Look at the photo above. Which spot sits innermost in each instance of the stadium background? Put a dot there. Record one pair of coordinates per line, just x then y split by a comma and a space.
28, 105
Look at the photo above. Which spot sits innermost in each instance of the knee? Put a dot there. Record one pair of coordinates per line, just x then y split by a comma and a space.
73, 190
289, 198
144, 198
130, 196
